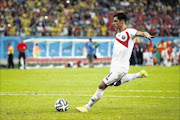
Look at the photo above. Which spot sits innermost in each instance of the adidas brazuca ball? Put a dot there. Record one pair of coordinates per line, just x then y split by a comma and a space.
61, 105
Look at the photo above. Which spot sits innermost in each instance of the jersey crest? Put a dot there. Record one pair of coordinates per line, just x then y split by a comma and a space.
123, 38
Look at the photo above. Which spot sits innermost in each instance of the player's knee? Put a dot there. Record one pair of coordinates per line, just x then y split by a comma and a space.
102, 86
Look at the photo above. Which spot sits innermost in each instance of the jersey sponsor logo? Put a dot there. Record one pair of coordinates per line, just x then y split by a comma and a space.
124, 39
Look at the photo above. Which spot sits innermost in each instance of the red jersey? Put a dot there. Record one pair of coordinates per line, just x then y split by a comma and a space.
22, 47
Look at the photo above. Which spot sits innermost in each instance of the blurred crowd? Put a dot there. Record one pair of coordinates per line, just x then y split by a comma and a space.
165, 53
86, 18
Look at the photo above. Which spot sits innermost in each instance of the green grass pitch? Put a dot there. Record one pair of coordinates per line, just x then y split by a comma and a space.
31, 94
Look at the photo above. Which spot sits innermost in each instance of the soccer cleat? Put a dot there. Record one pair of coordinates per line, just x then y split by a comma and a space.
143, 73
82, 109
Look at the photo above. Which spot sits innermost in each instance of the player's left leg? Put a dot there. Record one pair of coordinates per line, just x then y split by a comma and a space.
12, 62
97, 96
108, 80
9, 63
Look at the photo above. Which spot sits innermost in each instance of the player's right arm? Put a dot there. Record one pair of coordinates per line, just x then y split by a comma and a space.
18, 47
144, 34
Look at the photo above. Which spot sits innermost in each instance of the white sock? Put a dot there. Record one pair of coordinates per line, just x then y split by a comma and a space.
129, 77
97, 95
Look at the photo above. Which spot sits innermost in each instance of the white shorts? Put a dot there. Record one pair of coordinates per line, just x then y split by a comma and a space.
113, 77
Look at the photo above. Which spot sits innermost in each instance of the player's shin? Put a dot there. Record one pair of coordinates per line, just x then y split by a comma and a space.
129, 77
98, 95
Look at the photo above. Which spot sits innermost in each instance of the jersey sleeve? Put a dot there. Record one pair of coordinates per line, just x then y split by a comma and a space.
132, 32
26, 46
18, 47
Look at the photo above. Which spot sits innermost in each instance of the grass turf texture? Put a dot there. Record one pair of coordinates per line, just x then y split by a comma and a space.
31, 94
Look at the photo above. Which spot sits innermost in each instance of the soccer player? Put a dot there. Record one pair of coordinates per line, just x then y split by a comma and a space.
22, 47
123, 45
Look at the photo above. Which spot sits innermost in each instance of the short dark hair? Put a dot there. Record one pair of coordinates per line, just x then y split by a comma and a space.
121, 16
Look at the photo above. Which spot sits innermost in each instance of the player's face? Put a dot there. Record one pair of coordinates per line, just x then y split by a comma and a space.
116, 23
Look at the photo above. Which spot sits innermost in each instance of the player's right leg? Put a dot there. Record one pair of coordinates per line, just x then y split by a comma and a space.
24, 60
19, 59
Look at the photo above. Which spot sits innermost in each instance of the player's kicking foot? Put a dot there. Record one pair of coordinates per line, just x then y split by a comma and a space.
143, 74
82, 109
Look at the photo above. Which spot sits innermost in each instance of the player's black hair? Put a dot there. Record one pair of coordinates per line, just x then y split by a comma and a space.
121, 16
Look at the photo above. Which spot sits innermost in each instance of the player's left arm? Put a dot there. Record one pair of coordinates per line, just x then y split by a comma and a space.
25, 47
144, 34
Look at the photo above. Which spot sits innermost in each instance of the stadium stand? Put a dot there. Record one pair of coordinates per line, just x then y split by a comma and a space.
86, 17
93, 18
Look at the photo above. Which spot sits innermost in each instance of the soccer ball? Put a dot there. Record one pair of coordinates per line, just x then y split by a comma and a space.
61, 105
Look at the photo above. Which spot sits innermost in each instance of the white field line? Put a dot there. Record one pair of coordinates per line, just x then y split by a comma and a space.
81, 95
155, 91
